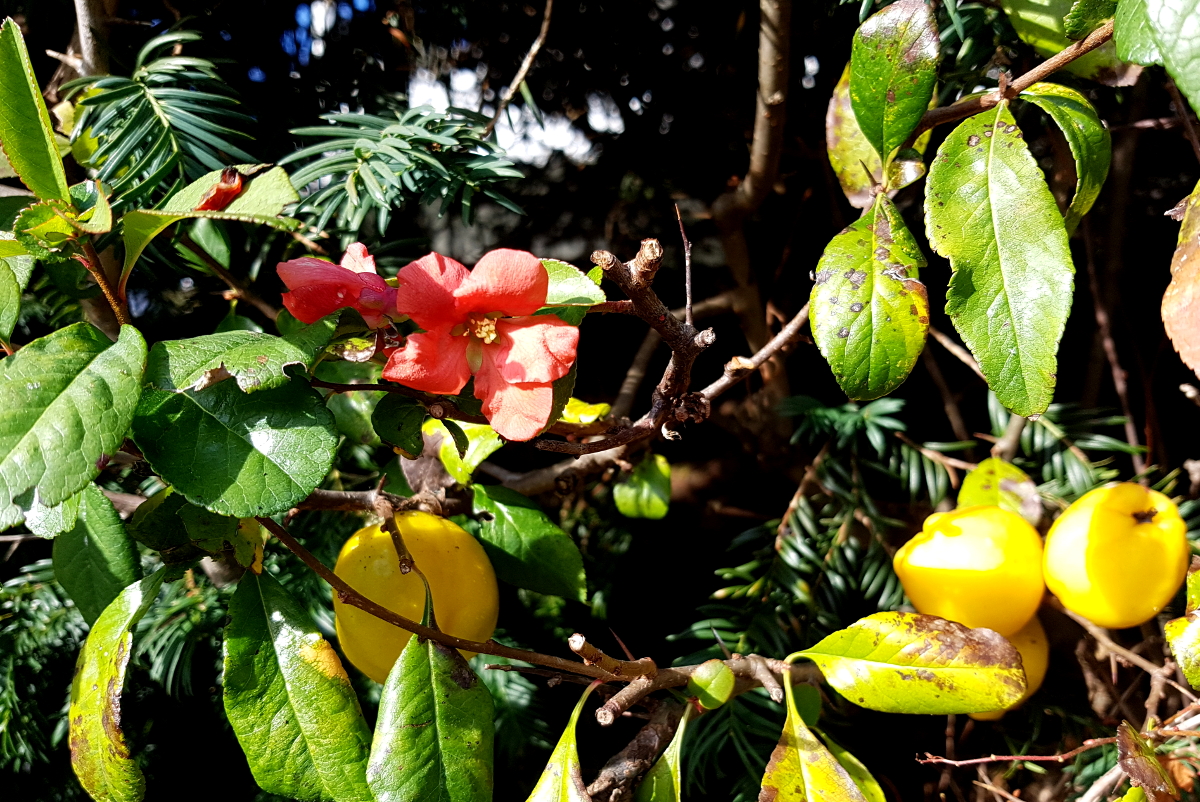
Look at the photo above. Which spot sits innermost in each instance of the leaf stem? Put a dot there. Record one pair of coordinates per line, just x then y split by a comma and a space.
91, 260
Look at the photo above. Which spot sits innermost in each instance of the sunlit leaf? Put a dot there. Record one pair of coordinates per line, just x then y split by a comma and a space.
256, 361
911, 663
989, 211
662, 783
289, 700
99, 753
481, 442
711, 684
1087, 15
1001, 484
95, 559
869, 309
1042, 24
25, 131
646, 492
1133, 34
433, 737
858, 772
14, 277
1181, 302
1137, 758
1183, 634
562, 780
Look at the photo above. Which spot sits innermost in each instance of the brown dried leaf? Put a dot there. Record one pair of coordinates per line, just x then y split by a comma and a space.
1181, 302
1136, 757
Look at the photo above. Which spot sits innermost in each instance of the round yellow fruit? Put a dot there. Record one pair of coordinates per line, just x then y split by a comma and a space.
1031, 642
1117, 555
979, 566
461, 581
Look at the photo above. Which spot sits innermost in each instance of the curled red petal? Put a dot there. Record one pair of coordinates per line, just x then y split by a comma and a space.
538, 348
427, 290
432, 362
515, 411
504, 280
318, 288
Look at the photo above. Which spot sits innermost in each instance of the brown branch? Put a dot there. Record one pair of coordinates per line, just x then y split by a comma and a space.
1091, 743
237, 287
91, 260
975, 105
635, 375
962, 354
507, 95
949, 403
687, 270
1006, 447
949, 463
612, 307
593, 656
787, 336
1101, 636
620, 774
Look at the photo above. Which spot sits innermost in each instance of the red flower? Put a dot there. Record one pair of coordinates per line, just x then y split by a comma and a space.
319, 288
481, 323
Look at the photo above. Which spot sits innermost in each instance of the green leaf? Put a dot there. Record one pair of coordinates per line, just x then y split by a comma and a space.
802, 769
989, 211
93, 212
14, 277
95, 560
645, 493
262, 452
1174, 24
25, 131
663, 782
711, 684
562, 780
869, 310
893, 69
46, 521
433, 738
910, 663
1087, 15
43, 231
1041, 23
397, 420
997, 483
570, 286
261, 202
99, 753
1183, 634
78, 391
867, 784
462, 458
353, 411
855, 162
156, 522
525, 547
257, 361
289, 700
1133, 34
1090, 142
1137, 758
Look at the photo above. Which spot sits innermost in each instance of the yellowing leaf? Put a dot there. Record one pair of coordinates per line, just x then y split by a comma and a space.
562, 781
1002, 484
1181, 302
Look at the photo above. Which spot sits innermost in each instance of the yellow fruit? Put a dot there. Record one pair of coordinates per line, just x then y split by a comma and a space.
461, 581
1117, 555
979, 566
1031, 642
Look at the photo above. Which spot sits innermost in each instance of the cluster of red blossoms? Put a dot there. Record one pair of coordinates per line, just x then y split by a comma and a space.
475, 323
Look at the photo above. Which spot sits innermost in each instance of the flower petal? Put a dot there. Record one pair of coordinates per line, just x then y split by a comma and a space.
357, 259
515, 411
427, 290
539, 348
432, 362
504, 280
319, 288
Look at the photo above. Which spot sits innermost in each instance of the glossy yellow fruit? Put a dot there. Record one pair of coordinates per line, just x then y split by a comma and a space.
461, 581
1117, 555
1031, 642
979, 566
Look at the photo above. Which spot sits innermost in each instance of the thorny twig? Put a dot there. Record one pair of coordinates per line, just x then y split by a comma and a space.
507, 95
687, 269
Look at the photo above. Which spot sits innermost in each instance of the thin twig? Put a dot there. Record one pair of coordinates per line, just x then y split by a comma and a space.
1181, 111
1119, 375
507, 95
91, 260
1102, 787
635, 375
950, 463
1101, 636
1091, 743
237, 287
786, 337
687, 269
968, 108
593, 656
1006, 447
962, 354
953, 413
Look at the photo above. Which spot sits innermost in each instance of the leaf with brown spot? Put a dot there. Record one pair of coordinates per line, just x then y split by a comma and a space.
911, 663
1181, 302
562, 780
1001, 484
99, 753
1183, 634
801, 769
1136, 758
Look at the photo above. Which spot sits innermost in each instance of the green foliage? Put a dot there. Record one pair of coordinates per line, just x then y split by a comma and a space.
170, 122
1087, 15
289, 699
365, 163
1162, 32
25, 132
257, 361
662, 783
869, 311
646, 492
433, 739
988, 210
95, 560
562, 780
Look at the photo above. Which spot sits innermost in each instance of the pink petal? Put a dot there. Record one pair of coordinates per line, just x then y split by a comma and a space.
432, 362
357, 259
539, 348
427, 291
504, 280
319, 288
515, 411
